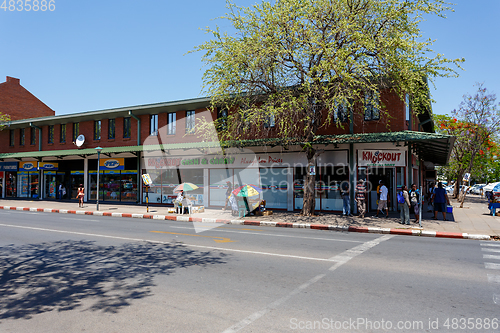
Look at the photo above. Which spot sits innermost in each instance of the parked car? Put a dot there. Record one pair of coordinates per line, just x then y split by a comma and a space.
489, 187
476, 189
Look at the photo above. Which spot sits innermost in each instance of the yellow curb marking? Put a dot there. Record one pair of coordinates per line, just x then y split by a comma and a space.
220, 240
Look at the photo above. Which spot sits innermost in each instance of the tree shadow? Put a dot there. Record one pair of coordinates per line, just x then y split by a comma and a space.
44, 277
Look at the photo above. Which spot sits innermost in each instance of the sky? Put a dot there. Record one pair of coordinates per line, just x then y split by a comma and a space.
96, 55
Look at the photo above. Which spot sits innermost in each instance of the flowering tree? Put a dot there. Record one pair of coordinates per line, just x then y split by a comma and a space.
475, 124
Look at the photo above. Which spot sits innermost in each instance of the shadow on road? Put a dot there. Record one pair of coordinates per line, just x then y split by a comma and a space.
60, 275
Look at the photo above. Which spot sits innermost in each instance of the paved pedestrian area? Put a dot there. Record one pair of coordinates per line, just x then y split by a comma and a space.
474, 218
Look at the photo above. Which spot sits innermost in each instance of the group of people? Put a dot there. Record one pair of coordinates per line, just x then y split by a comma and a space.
408, 200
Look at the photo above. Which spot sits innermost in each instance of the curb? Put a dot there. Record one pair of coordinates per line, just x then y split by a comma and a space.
406, 232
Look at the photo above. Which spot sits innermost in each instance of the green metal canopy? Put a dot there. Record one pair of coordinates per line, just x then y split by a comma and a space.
432, 147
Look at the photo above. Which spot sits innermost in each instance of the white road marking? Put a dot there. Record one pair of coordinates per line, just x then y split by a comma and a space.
277, 235
493, 278
163, 242
490, 265
491, 256
340, 259
490, 250
490, 244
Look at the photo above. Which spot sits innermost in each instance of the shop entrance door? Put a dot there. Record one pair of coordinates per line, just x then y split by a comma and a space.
50, 184
76, 181
375, 175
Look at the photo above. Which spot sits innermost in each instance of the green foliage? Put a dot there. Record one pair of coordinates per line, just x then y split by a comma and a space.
297, 61
4, 119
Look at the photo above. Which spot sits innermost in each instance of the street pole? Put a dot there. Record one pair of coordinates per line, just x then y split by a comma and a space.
98, 173
420, 206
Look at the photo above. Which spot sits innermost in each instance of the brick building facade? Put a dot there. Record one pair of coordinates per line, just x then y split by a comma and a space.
19, 103
157, 139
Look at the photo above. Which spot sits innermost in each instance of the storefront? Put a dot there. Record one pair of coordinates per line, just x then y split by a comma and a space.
8, 178
273, 173
382, 165
116, 184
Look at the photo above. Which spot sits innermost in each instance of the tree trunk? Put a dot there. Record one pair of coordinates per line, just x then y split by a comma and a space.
456, 190
309, 199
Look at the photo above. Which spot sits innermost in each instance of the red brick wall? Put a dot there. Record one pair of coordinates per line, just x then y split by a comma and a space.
392, 120
19, 103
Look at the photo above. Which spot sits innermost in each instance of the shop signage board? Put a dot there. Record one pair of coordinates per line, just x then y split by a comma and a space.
146, 179
112, 164
8, 166
275, 160
27, 166
381, 158
48, 166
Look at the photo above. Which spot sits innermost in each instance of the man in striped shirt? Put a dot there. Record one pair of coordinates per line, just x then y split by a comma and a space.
361, 197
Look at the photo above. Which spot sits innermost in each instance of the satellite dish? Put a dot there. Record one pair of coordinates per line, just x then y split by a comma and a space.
80, 140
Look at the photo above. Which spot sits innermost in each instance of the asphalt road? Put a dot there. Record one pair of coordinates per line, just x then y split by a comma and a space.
67, 273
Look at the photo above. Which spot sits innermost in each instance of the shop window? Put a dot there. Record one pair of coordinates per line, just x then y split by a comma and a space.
97, 130
33, 136
372, 111
274, 182
21, 137
171, 123
126, 128
62, 138
76, 131
190, 122
11, 138
51, 134
153, 124
111, 129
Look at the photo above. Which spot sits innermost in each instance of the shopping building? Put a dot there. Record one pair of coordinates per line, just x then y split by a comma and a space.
38, 155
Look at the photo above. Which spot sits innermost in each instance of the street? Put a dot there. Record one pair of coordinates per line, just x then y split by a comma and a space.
75, 273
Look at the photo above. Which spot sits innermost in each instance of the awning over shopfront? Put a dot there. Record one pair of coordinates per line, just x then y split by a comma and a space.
431, 147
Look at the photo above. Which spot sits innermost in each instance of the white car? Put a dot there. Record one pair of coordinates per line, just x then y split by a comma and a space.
476, 189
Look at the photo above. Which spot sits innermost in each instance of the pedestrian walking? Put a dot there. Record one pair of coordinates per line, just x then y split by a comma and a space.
346, 202
80, 195
228, 194
404, 205
361, 198
383, 199
440, 199
415, 202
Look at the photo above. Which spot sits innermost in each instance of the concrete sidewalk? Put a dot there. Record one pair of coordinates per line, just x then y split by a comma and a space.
472, 221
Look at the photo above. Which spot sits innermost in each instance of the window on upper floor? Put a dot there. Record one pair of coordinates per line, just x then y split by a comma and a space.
270, 121
62, 133
33, 136
341, 113
407, 107
153, 124
171, 123
372, 111
111, 129
221, 119
50, 138
190, 122
12, 137
21, 137
76, 131
126, 128
97, 130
